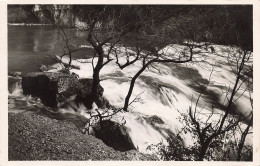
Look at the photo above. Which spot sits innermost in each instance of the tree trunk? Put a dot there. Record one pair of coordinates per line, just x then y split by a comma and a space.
94, 90
132, 84
203, 151
242, 140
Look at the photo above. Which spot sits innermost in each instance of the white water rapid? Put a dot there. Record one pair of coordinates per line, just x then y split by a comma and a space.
175, 87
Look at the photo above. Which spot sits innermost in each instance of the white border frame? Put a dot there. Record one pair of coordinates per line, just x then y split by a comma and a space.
4, 85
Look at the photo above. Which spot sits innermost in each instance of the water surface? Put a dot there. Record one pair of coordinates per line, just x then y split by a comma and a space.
31, 46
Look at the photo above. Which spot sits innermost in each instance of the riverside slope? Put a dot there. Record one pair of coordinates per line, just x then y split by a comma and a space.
37, 137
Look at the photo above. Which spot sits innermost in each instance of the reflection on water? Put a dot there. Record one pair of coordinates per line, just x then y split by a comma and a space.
31, 46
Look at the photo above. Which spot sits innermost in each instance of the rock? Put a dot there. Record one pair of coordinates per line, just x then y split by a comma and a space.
154, 119
15, 73
85, 85
114, 135
84, 90
212, 49
10, 101
43, 68
58, 66
14, 83
54, 89
66, 71
104, 103
55, 67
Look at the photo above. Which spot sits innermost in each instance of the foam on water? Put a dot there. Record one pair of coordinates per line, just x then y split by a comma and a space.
161, 93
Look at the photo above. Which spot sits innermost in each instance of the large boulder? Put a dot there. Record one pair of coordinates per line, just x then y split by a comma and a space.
54, 89
114, 135
85, 85
84, 94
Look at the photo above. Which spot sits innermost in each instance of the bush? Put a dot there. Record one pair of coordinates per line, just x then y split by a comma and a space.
17, 15
176, 151
21, 14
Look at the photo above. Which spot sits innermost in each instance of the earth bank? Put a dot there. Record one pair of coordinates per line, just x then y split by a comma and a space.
36, 137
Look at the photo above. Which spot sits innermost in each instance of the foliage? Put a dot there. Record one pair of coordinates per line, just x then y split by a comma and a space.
213, 132
175, 150
21, 14
17, 15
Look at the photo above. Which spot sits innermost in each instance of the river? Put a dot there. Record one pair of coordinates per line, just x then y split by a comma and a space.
31, 46
163, 94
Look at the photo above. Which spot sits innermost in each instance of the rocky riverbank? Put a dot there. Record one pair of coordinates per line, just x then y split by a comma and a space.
36, 137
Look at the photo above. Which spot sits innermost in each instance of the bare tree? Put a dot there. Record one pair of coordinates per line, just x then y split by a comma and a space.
108, 25
151, 27
147, 60
209, 131
245, 132
243, 137
181, 27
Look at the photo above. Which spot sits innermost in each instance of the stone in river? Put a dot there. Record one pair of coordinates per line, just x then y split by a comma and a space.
54, 89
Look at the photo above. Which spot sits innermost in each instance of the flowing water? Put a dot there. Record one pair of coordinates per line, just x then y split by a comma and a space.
164, 94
